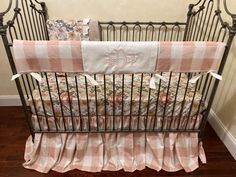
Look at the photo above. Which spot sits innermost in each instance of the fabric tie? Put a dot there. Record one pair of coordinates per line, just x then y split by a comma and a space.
91, 79
34, 75
155, 79
194, 79
38, 77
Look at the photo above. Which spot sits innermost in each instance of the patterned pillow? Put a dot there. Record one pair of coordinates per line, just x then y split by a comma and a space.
68, 30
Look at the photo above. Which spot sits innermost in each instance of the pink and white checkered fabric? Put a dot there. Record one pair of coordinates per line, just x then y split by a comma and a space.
67, 56
189, 56
95, 152
52, 56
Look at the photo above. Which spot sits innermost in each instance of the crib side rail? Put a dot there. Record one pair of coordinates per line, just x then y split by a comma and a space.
142, 31
66, 102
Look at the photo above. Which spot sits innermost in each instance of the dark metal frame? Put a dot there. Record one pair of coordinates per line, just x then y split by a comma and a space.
203, 24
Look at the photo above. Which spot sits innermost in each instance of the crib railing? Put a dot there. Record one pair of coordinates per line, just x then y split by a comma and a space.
142, 31
94, 108
141, 109
204, 23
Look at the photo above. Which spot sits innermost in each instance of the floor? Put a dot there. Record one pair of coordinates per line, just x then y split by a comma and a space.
13, 133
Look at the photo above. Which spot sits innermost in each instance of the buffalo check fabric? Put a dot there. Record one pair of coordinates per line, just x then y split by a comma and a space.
95, 152
189, 56
68, 56
43, 56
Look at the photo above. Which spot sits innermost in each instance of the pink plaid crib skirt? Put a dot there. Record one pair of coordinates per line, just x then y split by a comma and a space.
95, 152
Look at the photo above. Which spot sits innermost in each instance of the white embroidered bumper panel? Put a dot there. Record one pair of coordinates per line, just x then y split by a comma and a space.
119, 57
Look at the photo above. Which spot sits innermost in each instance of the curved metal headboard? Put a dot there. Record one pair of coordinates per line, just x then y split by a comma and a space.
42, 4
226, 9
8, 8
29, 17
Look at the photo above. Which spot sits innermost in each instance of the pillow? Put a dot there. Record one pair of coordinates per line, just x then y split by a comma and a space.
73, 30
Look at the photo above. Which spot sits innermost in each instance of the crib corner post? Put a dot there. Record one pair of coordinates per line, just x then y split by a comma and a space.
44, 10
1, 21
189, 14
2, 27
233, 28
3, 13
3, 34
233, 16
232, 33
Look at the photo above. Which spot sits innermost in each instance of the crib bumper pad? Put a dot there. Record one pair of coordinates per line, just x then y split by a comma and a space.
129, 151
93, 57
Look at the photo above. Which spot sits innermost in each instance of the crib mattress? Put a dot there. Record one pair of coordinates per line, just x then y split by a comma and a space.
70, 101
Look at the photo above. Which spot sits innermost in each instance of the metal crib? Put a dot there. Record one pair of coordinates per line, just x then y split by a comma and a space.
204, 23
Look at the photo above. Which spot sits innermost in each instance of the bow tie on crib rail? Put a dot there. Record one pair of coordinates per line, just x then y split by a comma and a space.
157, 77
34, 75
152, 84
38, 77
197, 77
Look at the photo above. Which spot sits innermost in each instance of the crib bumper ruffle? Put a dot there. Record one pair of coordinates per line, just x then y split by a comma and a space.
95, 152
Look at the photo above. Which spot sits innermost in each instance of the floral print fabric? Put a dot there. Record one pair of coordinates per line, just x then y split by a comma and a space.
67, 30
115, 97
